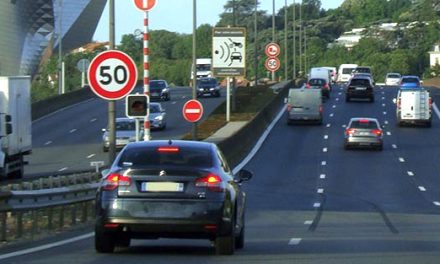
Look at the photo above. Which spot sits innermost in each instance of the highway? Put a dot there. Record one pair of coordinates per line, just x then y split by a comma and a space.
311, 202
70, 139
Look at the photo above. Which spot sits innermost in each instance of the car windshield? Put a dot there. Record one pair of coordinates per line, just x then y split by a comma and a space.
368, 124
184, 157
154, 108
317, 82
206, 82
347, 70
410, 80
125, 126
394, 76
359, 82
203, 67
158, 84
363, 70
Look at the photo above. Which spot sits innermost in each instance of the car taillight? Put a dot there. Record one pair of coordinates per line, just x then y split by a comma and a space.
326, 86
377, 132
289, 107
320, 108
212, 182
398, 103
114, 180
350, 131
308, 85
430, 102
168, 149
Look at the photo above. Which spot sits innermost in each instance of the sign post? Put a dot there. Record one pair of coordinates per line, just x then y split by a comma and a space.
272, 62
229, 56
145, 6
83, 66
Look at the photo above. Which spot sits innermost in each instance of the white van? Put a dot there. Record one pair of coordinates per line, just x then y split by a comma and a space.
333, 73
304, 105
321, 73
414, 105
345, 71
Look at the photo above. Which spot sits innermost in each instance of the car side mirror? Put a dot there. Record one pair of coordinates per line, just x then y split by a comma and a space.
394, 100
244, 175
421, 82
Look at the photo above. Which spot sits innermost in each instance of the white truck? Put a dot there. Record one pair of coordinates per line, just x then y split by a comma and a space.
203, 69
15, 124
414, 106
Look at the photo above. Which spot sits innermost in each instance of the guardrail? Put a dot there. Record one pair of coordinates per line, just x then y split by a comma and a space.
31, 212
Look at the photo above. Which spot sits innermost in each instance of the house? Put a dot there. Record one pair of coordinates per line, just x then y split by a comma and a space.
434, 56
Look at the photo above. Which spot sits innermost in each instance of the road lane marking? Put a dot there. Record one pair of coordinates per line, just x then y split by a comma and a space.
47, 246
337, 99
388, 133
383, 98
344, 126
322, 176
320, 190
394, 146
331, 115
401, 159
386, 122
328, 125
317, 205
48, 143
93, 120
308, 222
436, 203
384, 113
323, 163
410, 173
422, 189
91, 156
63, 169
294, 241
326, 137
434, 106
73, 131
324, 150
334, 106
173, 102
383, 105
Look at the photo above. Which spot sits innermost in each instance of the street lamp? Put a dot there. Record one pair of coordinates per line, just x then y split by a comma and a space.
60, 50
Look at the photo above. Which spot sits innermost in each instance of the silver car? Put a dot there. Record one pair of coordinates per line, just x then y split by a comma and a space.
125, 133
363, 132
158, 116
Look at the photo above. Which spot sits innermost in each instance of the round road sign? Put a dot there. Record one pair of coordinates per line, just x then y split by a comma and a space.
112, 74
144, 5
83, 65
192, 111
272, 64
272, 49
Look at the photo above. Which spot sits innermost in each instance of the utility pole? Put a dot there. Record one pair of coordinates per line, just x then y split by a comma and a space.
273, 31
294, 39
60, 48
256, 43
300, 37
234, 24
112, 103
285, 40
194, 58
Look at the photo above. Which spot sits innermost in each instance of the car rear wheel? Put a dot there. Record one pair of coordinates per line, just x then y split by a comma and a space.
239, 240
225, 244
104, 243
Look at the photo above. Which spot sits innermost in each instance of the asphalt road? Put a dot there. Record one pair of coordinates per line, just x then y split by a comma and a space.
70, 139
311, 201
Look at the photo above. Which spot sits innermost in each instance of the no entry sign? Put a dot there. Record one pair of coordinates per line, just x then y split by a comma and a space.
192, 111
144, 5
112, 75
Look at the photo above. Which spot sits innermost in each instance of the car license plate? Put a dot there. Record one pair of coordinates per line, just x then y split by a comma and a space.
162, 187
364, 133
121, 142
299, 109
360, 88
154, 94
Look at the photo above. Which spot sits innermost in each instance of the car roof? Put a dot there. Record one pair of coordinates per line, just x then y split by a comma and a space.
410, 76
364, 77
370, 119
176, 143
393, 73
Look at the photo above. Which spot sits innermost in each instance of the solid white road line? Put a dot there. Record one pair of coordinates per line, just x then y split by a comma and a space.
44, 247
401, 159
434, 106
322, 176
422, 189
317, 205
320, 190
308, 222
410, 173
294, 241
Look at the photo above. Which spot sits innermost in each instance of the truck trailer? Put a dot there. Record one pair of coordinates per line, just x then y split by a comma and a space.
15, 124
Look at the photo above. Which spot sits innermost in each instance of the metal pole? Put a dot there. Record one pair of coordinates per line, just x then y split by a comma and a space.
63, 73
228, 99
60, 48
300, 37
256, 43
273, 31
136, 121
305, 49
285, 40
147, 135
111, 103
294, 40
234, 24
194, 58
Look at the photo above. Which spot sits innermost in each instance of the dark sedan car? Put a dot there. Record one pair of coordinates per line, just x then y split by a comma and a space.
318, 83
360, 87
363, 132
208, 86
159, 90
171, 189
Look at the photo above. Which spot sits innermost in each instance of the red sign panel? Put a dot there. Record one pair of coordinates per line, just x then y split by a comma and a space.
272, 64
272, 50
112, 75
145, 5
192, 111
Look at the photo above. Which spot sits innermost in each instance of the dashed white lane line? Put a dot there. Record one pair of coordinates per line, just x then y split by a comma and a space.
294, 241
91, 156
388, 133
93, 120
422, 189
323, 163
328, 125
63, 169
183, 97
383, 105
401, 159
386, 122
394, 146
344, 126
324, 150
317, 205
337, 99
320, 190
73, 131
308, 222
174, 102
334, 106
322, 176
326, 137
383, 98
331, 115
410, 173
384, 113
436, 203
48, 143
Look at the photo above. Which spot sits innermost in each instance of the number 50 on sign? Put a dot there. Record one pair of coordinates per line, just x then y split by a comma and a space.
272, 64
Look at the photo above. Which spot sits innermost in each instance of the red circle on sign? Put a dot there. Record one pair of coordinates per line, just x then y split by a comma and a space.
123, 62
272, 49
192, 111
144, 5
272, 64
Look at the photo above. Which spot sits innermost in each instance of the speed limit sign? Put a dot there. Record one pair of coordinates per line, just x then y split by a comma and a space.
112, 75
272, 64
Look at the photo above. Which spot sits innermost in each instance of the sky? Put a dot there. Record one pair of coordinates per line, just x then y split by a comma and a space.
175, 15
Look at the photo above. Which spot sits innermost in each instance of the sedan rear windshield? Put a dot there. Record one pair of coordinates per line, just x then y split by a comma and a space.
150, 157
347, 70
320, 82
125, 126
158, 84
364, 124
410, 80
359, 82
395, 76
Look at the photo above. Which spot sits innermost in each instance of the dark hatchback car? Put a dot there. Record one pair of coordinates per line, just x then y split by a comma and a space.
318, 83
359, 87
171, 189
159, 90
363, 132
208, 86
